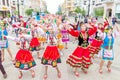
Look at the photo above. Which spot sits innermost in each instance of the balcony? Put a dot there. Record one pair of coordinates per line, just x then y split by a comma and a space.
107, 1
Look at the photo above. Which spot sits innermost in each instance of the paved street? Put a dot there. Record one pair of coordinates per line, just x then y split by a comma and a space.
67, 73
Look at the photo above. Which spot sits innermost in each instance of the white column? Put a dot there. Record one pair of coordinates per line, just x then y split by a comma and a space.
5, 2
113, 9
10, 7
1, 2
105, 11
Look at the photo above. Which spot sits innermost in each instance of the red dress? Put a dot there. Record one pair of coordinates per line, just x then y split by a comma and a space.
51, 55
24, 59
80, 58
95, 46
34, 43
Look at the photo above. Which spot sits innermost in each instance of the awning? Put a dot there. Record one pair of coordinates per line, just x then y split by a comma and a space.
4, 8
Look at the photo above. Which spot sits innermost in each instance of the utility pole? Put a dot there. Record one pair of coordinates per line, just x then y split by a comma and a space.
18, 6
89, 8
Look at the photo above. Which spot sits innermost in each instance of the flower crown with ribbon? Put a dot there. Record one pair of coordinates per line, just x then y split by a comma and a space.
108, 28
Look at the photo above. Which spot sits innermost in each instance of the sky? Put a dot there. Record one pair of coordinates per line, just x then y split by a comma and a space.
52, 5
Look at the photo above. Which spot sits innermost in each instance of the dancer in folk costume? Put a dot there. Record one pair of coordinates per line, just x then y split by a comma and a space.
80, 58
24, 59
3, 33
60, 43
93, 21
107, 52
34, 43
96, 43
65, 35
41, 36
76, 26
51, 55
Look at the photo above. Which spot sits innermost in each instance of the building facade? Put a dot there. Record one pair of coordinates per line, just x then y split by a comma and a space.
26, 4
68, 6
4, 8
111, 7
87, 5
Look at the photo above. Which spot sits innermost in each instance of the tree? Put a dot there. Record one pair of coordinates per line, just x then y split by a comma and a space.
78, 10
99, 11
8, 15
16, 12
59, 13
46, 12
83, 12
28, 12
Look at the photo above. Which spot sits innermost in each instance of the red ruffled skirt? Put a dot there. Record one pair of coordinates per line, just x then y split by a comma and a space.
24, 60
80, 58
34, 44
95, 46
51, 56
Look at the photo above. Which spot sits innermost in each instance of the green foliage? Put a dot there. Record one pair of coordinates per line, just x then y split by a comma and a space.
83, 12
0, 14
59, 13
99, 11
8, 15
16, 12
78, 10
28, 12
46, 12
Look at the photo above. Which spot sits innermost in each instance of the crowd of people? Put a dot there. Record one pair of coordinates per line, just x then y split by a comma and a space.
93, 38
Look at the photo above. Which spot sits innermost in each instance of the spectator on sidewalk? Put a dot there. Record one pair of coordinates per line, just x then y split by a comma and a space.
114, 20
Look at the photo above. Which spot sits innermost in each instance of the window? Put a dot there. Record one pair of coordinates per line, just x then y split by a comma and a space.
7, 2
3, 2
93, 3
13, 2
85, 2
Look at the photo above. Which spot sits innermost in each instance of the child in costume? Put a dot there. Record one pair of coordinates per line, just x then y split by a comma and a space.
41, 37
65, 35
107, 49
60, 44
34, 43
51, 55
3, 38
24, 59
97, 41
81, 58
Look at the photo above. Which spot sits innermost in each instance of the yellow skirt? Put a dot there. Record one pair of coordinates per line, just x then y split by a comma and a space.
60, 46
42, 39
